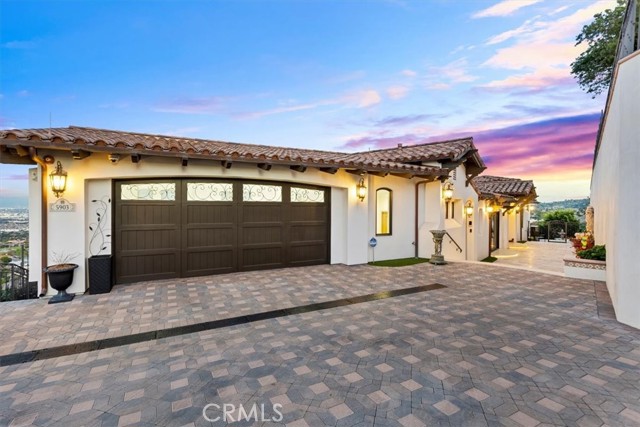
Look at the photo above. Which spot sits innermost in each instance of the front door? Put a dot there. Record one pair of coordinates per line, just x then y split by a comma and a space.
494, 232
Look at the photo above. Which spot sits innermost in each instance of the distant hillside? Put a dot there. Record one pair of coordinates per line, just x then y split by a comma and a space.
580, 205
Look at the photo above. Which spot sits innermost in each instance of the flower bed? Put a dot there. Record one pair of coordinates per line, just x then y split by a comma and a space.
590, 259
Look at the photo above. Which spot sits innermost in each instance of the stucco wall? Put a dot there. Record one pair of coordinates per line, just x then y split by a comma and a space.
614, 192
352, 221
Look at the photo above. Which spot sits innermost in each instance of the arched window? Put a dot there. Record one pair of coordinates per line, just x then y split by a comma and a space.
383, 212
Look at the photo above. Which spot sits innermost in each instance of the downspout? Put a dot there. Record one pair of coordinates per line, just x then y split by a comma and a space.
43, 218
417, 234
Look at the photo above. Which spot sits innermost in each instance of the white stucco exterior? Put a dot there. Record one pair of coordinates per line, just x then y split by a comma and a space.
614, 191
353, 222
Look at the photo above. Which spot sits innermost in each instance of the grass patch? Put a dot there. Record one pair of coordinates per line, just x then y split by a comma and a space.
489, 259
401, 262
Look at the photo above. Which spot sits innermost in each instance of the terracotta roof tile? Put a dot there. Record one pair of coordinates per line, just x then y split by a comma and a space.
392, 160
496, 185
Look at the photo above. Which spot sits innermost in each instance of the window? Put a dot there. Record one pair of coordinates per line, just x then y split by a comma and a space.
209, 192
383, 211
450, 210
261, 193
159, 191
306, 195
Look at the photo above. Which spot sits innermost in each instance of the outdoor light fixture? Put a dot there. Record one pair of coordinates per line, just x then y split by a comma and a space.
447, 191
361, 190
58, 180
468, 208
490, 208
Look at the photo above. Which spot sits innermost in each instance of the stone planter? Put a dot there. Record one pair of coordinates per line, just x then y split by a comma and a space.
587, 269
60, 278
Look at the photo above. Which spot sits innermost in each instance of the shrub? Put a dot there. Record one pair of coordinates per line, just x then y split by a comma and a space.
598, 253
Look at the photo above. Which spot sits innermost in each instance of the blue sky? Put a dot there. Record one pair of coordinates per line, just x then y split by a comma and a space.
336, 75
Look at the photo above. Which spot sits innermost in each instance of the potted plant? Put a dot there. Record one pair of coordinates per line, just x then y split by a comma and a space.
60, 276
99, 264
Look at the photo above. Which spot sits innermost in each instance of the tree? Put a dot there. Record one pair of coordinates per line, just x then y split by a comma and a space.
567, 215
594, 67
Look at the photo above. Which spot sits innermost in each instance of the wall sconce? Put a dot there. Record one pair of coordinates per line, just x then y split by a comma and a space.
447, 191
361, 190
489, 207
58, 179
468, 208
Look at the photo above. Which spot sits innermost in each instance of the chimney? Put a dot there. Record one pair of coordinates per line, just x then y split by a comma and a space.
400, 145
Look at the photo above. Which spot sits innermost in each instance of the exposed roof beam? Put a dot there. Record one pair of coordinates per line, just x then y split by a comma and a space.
21, 151
80, 154
265, 166
185, 161
135, 157
298, 168
356, 171
329, 170
377, 173
403, 175
8, 156
226, 164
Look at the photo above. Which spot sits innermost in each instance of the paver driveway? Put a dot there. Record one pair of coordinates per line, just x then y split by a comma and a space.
496, 346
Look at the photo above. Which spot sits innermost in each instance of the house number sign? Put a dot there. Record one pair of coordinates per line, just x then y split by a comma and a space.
62, 205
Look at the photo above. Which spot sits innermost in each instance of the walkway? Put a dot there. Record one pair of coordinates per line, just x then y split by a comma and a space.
543, 256
489, 348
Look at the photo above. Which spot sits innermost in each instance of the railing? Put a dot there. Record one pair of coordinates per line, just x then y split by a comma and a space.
628, 43
452, 240
14, 284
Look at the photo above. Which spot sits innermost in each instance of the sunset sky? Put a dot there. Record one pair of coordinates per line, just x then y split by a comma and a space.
335, 75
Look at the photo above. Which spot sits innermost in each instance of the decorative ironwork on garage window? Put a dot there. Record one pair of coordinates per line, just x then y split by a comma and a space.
209, 192
148, 191
307, 195
261, 193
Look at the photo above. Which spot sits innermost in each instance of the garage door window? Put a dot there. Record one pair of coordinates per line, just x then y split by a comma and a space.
261, 193
307, 195
158, 191
209, 192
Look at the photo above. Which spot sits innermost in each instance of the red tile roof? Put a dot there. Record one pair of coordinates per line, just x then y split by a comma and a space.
91, 139
496, 186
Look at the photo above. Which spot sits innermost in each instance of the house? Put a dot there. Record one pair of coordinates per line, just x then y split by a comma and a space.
167, 207
509, 202
615, 176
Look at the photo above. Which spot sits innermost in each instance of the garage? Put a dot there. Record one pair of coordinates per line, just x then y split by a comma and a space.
170, 228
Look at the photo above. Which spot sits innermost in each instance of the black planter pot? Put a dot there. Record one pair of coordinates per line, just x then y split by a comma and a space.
100, 278
60, 278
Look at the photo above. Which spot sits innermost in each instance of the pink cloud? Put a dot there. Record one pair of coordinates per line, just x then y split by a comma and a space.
397, 91
504, 8
549, 148
539, 79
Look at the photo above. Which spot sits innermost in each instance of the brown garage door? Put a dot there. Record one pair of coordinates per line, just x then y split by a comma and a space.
194, 227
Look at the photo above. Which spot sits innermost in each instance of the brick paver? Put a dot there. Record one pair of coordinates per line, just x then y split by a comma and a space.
425, 359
